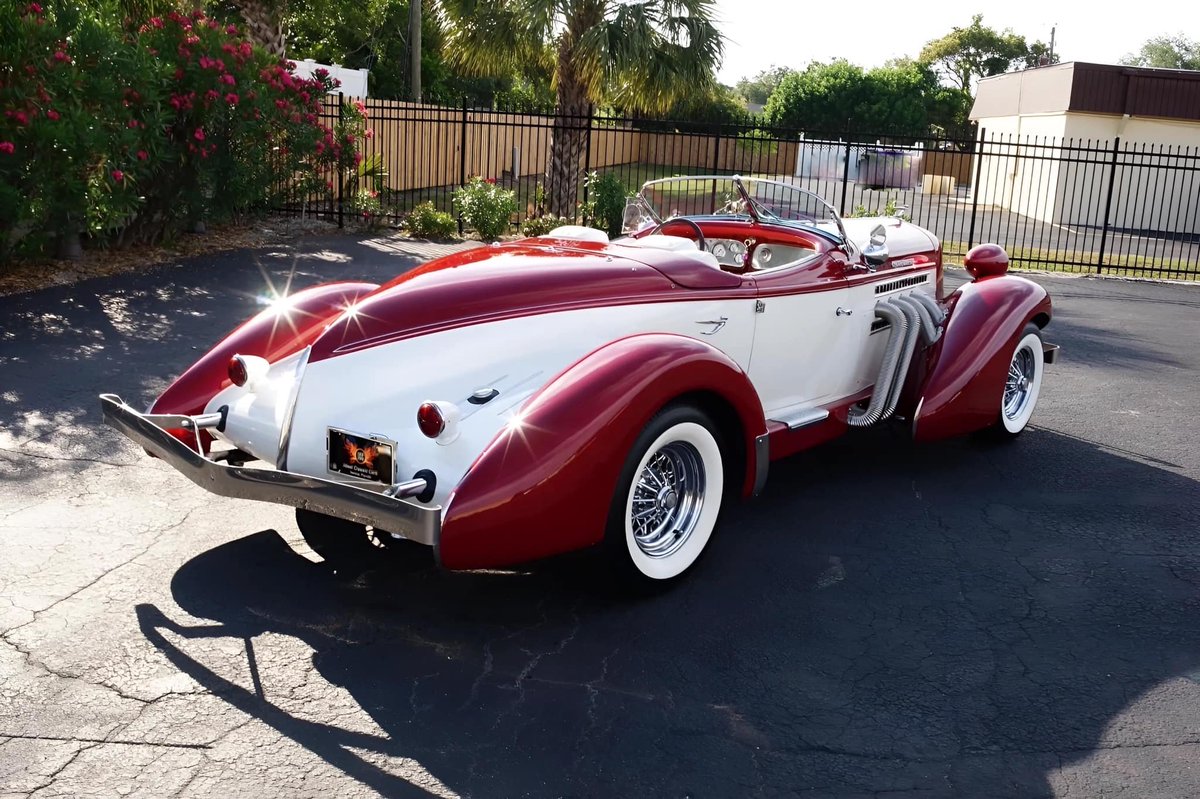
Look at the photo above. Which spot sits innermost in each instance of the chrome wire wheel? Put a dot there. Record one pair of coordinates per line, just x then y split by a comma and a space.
668, 497
1017, 388
1022, 384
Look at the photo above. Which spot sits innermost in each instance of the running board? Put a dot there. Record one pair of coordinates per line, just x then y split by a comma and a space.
803, 417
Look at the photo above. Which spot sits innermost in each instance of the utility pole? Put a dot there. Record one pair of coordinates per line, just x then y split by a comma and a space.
1052, 29
414, 48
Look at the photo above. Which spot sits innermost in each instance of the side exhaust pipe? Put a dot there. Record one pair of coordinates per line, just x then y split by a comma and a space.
911, 317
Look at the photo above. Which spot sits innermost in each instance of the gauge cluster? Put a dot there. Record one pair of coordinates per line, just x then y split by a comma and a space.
730, 252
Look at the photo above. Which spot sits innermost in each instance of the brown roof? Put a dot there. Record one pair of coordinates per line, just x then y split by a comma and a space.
1094, 88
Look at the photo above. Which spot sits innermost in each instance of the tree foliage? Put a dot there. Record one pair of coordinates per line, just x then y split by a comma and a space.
903, 97
642, 56
964, 55
1166, 52
759, 88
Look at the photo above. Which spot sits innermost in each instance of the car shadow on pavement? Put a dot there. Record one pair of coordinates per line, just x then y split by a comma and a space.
954, 619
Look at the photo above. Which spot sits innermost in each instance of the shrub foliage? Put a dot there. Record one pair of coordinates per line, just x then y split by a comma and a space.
131, 135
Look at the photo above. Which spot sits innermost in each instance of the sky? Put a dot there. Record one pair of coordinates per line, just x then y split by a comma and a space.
791, 33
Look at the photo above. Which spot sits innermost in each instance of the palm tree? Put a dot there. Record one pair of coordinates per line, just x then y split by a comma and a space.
637, 54
264, 23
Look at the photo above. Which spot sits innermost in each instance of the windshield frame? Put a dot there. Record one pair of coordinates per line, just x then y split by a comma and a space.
755, 210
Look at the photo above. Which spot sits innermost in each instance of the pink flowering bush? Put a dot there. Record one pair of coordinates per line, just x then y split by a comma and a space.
132, 135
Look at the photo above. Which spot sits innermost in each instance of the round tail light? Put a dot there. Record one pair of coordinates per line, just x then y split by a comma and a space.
238, 372
430, 419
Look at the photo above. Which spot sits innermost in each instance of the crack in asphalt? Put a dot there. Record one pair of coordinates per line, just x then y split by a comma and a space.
98, 461
117, 741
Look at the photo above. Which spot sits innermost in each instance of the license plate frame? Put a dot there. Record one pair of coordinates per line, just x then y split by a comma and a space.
363, 457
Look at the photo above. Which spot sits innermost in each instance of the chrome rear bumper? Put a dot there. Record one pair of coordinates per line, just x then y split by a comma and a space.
416, 522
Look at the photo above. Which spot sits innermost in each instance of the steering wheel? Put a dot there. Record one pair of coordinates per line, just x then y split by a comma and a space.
676, 220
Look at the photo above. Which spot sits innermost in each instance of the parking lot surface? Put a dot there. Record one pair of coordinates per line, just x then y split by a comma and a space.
956, 619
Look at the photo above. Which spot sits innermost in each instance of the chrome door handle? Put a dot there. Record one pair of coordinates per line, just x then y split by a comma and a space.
845, 311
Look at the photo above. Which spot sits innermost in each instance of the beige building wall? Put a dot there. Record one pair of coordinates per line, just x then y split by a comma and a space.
1067, 184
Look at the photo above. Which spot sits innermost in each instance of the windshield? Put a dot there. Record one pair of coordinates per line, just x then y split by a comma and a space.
734, 196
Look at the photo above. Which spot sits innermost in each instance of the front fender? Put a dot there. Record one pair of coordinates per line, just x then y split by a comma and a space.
545, 483
967, 367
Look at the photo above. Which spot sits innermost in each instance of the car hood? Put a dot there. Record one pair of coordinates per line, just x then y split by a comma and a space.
505, 281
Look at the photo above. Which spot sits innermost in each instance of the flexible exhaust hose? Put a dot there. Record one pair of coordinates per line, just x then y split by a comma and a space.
887, 369
929, 329
936, 312
916, 331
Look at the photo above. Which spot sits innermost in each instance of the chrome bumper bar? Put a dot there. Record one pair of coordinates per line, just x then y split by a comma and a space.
416, 522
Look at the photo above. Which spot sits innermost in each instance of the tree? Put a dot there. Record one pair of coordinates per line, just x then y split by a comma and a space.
641, 55
1166, 52
966, 54
759, 88
903, 97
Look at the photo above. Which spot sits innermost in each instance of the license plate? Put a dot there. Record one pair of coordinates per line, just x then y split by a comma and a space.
364, 457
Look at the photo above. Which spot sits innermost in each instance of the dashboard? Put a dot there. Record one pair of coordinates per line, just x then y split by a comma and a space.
746, 254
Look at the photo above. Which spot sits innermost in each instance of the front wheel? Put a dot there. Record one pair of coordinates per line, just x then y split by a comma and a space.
1022, 384
668, 498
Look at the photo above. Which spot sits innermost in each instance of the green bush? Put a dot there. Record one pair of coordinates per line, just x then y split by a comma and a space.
485, 207
605, 209
541, 225
130, 135
427, 222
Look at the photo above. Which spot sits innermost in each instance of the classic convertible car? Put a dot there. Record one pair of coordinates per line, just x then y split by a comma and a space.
529, 398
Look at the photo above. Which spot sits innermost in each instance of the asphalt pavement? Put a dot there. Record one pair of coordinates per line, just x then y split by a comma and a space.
956, 619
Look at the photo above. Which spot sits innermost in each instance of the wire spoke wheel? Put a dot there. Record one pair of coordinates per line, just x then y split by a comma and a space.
668, 497
1022, 384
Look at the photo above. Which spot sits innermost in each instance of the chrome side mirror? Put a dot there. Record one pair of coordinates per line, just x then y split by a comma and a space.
876, 251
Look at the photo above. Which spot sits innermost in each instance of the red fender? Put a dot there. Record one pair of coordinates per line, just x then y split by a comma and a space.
270, 334
544, 485
967, 367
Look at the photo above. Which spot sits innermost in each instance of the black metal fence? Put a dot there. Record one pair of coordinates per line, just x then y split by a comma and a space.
1098, 206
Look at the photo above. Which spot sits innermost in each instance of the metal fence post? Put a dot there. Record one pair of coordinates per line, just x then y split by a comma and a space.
845, 177
1112, 179
975, 186
717, 152
462, 158
587, 152
340, 172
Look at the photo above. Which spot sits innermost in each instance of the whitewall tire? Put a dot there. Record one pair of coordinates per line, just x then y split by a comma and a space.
1022, 384
669, 497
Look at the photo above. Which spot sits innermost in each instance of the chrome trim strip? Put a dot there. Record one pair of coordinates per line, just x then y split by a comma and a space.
804, 417
413, 521
762, 462
285, 434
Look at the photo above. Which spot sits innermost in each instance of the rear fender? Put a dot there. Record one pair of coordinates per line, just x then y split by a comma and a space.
965, 370
545, 483
277, 332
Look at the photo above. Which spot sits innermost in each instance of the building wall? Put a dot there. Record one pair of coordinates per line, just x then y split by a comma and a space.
1056, 168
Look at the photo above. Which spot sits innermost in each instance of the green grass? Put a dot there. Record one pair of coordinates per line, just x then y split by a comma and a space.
1056, 260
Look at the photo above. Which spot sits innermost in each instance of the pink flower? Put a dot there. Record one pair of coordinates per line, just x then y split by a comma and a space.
118, 175
7, 147
321, 73
368, 134
320, 147
133, 123
156, 22
211, 95
199, 134
231, 98
205, 62
492, 181
21, 117
61, 57
227, 78
178, 73
231, 30
142, 155
52, 114
34, 8
281, 104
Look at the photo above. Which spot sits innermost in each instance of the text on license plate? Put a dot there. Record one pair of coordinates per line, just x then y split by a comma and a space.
364, 457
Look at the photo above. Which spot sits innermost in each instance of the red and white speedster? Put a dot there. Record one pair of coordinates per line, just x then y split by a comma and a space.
530, 398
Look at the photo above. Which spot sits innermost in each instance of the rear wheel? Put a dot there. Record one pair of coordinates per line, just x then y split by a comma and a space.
668, 498
1022, 384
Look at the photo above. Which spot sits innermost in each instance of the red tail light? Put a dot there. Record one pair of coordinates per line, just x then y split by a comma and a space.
238, 372
430, 419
